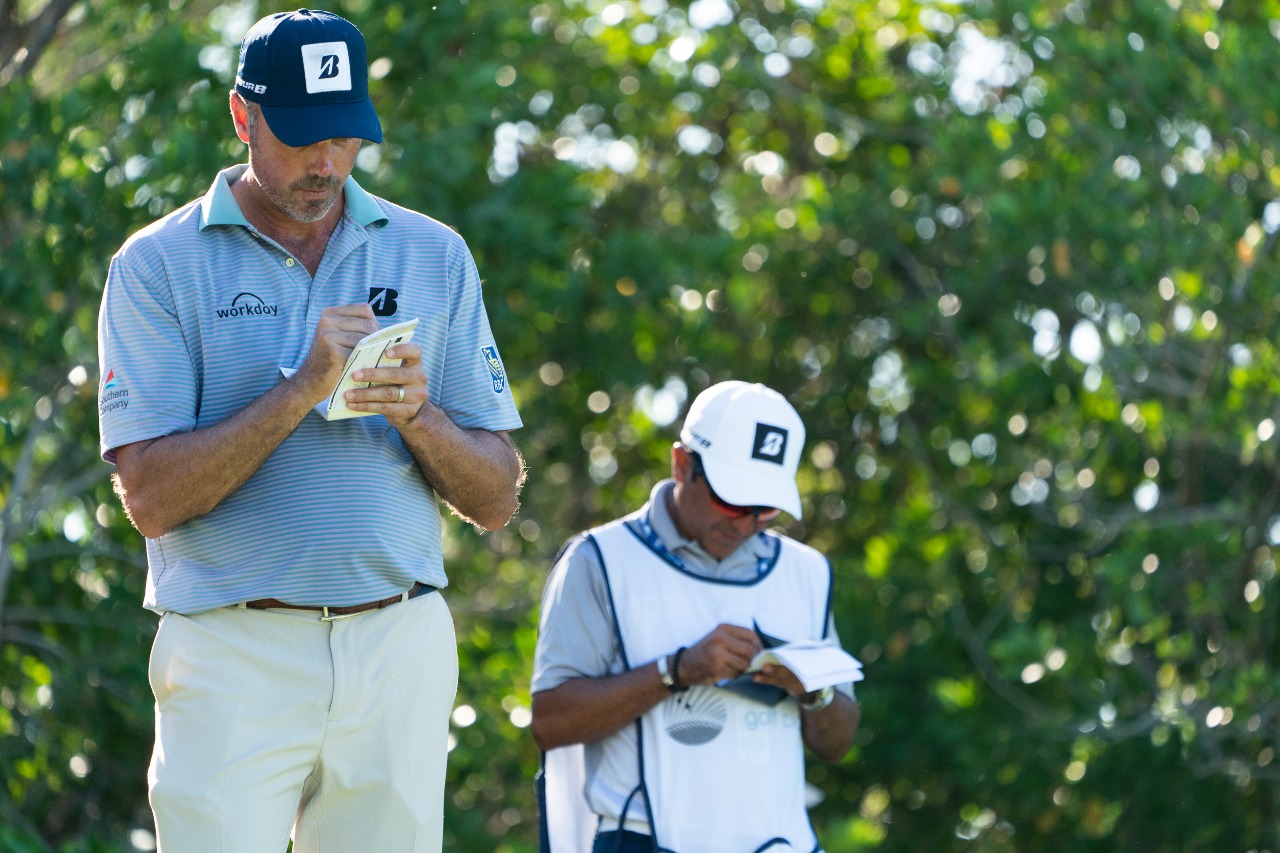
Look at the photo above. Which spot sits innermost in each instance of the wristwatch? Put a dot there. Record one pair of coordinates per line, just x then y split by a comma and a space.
664, 671
824, 697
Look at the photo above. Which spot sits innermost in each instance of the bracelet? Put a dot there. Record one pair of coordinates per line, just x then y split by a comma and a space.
824, 697
675, 670
664, 672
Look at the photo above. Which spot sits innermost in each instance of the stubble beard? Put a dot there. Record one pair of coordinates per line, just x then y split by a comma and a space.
308, 211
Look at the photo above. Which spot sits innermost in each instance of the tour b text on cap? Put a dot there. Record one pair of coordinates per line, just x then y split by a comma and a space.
750, 439
309, 72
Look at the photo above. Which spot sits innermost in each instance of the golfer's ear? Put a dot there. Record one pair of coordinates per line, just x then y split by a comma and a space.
240, 116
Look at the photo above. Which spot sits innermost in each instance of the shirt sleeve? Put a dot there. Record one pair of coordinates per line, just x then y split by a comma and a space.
148, 385
834, 636
576, 635
476, 391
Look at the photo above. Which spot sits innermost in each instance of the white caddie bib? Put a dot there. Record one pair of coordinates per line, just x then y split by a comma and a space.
722, 774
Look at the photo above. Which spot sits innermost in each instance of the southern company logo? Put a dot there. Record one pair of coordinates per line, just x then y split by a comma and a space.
112, 398
247, 305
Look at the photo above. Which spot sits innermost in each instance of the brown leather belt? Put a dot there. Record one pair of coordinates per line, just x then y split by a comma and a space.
331, 613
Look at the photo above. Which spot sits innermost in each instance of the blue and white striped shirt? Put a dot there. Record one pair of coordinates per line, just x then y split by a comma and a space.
200, 313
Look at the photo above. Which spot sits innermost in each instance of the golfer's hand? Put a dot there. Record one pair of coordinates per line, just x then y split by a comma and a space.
340, 328
397, 392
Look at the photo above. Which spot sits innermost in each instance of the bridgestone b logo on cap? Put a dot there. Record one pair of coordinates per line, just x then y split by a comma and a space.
326, 67
770, 444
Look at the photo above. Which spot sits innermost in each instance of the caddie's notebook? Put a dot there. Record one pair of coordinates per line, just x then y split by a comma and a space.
817, 664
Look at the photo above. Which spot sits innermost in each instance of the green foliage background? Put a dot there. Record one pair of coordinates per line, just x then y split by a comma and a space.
1013, 262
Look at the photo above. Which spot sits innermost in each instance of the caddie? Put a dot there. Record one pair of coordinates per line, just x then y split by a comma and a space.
652, 738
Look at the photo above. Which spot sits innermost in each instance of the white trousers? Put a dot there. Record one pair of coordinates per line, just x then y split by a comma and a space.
271, 721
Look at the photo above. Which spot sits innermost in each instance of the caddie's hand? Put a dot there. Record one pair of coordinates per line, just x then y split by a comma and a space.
340, 328
780, 676
397, 392
726, 652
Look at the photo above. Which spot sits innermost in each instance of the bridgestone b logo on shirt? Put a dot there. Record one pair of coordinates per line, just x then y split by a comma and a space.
383, 301
248, 305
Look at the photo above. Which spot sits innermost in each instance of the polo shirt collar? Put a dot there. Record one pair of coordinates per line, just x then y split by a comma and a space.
690, 550
219, 205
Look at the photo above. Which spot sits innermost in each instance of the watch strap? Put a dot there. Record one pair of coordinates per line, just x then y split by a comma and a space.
665, 673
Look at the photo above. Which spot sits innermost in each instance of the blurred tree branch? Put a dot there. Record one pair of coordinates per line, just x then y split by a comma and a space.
23, 42
32, 489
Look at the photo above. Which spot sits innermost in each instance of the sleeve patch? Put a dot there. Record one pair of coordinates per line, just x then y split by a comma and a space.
496, 372
112, 396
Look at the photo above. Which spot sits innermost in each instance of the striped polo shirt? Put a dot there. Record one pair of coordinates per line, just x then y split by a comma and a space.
200, 314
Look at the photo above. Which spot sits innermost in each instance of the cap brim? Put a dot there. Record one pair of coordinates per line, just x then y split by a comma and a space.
307, 125
753, 484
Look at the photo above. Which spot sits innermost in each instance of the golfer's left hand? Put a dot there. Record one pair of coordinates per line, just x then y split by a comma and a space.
398, 392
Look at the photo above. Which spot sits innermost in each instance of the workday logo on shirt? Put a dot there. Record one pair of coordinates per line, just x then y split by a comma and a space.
247, 305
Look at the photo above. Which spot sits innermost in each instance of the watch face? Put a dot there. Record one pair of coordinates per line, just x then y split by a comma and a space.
821, 700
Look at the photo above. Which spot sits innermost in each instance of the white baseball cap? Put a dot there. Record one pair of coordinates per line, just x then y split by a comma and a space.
750, 439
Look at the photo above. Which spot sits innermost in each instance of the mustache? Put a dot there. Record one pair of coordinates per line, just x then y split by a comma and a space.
316, 183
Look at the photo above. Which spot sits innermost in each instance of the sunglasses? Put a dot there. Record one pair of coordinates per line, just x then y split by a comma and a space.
761, 513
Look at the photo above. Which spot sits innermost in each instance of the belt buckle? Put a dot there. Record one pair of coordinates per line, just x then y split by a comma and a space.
334, 617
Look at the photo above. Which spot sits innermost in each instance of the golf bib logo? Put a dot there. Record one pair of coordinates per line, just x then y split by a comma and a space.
770, 444
694, 717
326, 67
495, 368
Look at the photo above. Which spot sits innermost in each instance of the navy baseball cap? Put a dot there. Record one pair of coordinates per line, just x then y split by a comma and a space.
309, 73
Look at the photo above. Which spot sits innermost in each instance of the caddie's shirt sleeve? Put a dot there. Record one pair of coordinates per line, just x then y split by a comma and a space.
833, 636
575, 632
